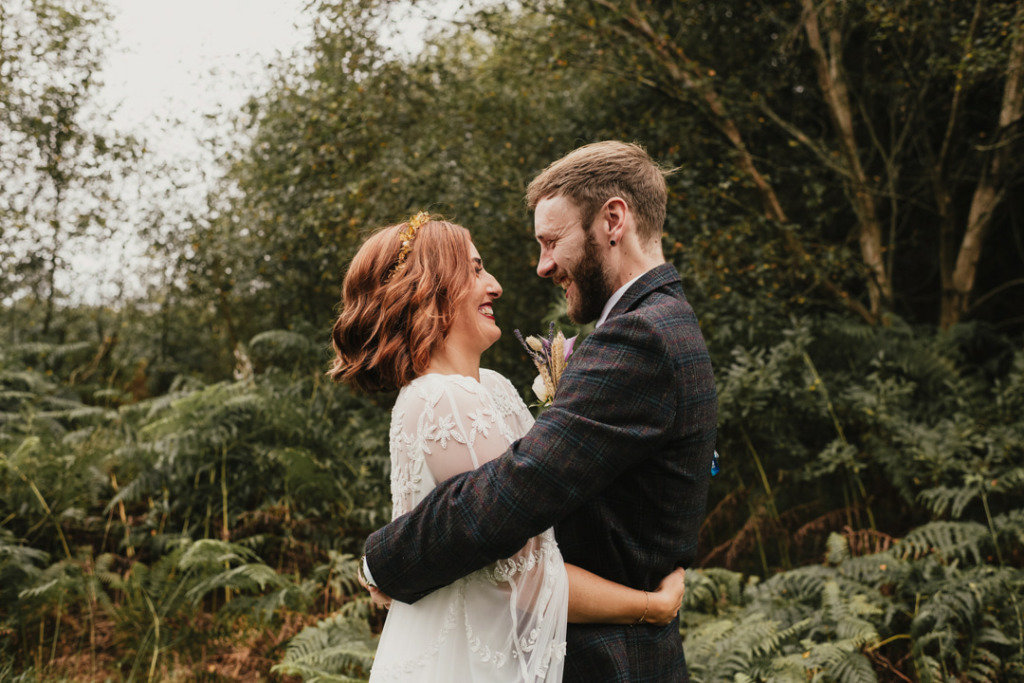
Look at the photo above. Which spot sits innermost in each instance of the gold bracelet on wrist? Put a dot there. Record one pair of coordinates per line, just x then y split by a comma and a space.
647, 606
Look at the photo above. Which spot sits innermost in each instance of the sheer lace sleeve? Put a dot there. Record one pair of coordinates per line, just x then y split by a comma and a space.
441, 426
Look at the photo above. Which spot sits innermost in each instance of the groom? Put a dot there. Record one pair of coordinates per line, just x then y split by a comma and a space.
619, 464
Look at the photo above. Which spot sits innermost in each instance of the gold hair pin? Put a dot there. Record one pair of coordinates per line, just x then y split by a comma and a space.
407, 236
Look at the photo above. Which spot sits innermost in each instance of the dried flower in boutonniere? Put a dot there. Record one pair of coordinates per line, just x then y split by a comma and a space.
549, 354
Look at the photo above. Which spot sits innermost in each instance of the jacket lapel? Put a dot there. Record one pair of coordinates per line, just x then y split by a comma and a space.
656, 277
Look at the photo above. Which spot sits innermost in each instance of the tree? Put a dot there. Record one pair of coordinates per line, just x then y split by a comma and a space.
353, 137
58, 160
868, 94
999, 173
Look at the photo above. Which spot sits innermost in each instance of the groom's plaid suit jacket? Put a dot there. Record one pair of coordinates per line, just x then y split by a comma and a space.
619, 465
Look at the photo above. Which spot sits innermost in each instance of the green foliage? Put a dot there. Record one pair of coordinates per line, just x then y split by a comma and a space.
283, 349
137, 504
856, 617
173, 496
353, 137
20, 566
273, 453
896, 426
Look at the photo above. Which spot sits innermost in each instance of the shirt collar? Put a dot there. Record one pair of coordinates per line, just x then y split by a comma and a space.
614, 299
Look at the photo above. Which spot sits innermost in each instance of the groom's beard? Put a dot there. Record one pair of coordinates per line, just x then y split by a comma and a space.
592, 286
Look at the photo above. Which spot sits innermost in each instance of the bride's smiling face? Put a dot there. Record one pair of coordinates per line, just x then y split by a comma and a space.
474, 327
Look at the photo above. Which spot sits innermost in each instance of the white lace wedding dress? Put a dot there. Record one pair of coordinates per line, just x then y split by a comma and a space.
505, 622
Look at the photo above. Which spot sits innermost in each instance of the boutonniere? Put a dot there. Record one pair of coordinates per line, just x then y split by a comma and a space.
549, 355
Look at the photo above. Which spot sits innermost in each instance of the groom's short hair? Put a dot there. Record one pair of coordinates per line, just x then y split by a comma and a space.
594, 173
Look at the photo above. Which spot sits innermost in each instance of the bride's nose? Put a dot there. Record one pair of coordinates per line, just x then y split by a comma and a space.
493, 287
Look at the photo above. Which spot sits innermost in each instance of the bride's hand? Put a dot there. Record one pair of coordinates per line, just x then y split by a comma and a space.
666, 601
376, 596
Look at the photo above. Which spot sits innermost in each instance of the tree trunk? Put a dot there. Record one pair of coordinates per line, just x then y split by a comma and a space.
943, 196
991, 187
947, 238
834, 89
51, 274
229, 324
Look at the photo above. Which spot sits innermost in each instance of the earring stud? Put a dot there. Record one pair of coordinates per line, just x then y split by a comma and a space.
613, 243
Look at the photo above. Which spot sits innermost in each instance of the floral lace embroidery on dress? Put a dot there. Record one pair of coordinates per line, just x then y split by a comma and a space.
526, 560
392, 671
513, 611
406, 467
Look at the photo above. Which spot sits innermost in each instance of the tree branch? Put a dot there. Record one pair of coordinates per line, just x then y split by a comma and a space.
958, 87
823, 154
996, 290
835, 91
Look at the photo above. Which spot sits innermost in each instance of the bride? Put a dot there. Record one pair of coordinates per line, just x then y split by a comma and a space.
417, 313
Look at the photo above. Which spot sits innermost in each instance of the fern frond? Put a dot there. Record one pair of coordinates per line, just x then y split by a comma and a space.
334, 649
837, 548
709, 589
942, 499
212, 552
853, 668
1010, 527
27, 381
246, 577
955, 628
948, 540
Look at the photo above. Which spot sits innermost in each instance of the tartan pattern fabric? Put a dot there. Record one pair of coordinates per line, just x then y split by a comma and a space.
623, 654
619, 465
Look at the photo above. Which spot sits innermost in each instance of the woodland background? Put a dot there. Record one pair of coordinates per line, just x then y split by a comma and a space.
183, 493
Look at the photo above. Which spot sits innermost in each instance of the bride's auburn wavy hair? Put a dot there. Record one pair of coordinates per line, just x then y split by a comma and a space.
392, 319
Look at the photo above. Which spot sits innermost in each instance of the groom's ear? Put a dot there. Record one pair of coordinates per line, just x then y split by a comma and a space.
614, 214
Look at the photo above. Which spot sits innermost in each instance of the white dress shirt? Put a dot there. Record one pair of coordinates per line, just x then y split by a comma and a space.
614, 299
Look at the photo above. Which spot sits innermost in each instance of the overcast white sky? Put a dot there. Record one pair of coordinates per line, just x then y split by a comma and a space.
172, 63
177, 61
187, 57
